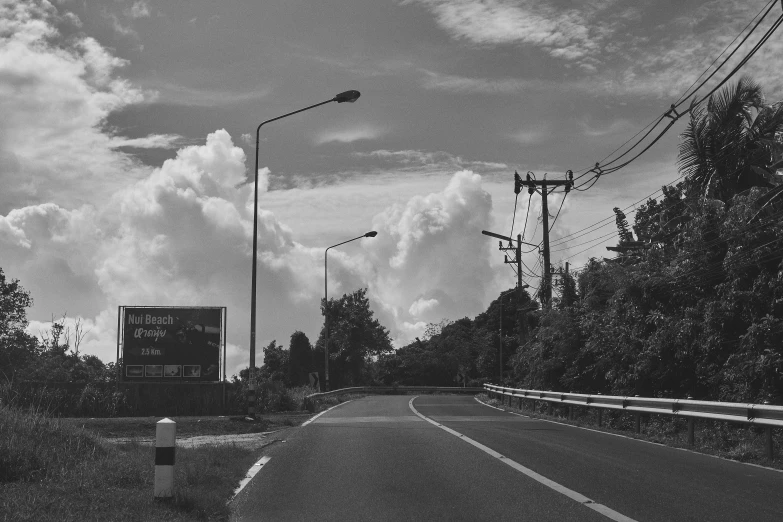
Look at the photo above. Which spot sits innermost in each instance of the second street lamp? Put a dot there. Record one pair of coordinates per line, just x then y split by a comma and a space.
326, 307
347, 96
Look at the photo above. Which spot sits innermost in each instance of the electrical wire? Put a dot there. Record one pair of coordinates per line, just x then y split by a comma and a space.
558, 211
598, 171
527, 213
514, 216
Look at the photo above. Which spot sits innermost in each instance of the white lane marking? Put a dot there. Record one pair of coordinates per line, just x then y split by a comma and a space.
570, 493
250, 474
330, 409
659, 444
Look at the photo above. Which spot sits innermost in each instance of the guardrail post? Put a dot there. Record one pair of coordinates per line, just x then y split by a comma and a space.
165, 439
770, 448
520, 404
691, 431
638, 422
549, 408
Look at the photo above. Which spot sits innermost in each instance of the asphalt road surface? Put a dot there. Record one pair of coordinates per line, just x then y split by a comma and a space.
451, 458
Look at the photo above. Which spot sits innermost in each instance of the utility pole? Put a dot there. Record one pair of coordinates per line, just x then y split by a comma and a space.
544, 184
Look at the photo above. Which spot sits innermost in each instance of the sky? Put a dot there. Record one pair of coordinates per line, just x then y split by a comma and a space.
127, 148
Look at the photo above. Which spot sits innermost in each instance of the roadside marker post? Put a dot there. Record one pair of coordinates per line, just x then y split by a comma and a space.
165, 439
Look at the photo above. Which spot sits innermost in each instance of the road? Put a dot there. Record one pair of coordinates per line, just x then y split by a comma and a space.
452, 458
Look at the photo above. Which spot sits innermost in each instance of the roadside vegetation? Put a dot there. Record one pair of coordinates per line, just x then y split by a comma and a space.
51, 470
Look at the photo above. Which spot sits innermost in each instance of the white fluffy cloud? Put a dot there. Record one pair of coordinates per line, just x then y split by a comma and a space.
431, 258
55, 95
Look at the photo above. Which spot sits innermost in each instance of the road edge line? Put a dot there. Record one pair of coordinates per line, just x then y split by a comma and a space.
629, 437
570, 493
330, 409
255, 468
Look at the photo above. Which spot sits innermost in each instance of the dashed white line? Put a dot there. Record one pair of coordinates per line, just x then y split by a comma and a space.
570, 493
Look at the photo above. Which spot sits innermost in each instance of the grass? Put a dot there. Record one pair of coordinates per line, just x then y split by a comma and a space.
734, 441
62, 470
144, 427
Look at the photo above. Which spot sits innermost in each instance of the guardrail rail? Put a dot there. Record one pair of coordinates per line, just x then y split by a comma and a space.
767, 415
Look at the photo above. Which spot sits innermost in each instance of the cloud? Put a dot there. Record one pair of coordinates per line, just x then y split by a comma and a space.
564, 34
532, 135
153, 141
139, 9
426, 248
349, 134
55, 98
614, 127
437, 160
615, 45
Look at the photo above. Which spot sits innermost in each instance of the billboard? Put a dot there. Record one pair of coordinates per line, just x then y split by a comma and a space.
171, 344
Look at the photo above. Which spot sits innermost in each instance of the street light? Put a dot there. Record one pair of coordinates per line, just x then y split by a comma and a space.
326, 307
487, 233
347, 96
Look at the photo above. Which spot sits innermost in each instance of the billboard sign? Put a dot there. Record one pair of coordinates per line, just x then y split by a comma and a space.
174, 344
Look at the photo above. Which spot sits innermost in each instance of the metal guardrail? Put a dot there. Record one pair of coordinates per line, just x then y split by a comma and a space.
391, 389
766, 415
759, 414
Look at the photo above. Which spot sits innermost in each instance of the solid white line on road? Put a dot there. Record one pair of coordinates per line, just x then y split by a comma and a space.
629, 438
570, 493
250, 474
330, 409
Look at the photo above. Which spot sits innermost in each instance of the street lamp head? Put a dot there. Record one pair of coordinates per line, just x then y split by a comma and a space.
371, 234
347, 96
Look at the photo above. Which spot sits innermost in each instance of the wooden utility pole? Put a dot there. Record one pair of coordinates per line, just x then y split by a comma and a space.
546, 187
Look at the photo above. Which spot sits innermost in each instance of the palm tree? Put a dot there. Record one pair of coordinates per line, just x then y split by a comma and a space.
732, 143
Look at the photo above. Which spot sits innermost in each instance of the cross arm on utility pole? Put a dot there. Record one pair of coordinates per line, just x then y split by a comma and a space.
544, 184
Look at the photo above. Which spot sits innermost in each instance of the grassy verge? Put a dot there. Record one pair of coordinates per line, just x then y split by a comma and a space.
727, 440
144, 427
62, 470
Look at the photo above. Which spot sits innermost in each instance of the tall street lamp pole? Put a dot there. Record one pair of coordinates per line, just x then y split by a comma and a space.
347, 96
326, 307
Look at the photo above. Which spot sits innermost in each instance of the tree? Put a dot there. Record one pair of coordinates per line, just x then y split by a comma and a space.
275, 362
732, 143
355, 337
18, 350
300, 359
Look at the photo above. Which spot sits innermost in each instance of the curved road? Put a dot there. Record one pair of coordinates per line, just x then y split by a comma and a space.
452, 458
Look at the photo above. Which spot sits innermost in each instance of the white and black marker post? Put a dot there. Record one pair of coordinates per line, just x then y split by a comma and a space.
165, 438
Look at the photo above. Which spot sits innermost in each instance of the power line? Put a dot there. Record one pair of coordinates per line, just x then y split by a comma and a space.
672, 113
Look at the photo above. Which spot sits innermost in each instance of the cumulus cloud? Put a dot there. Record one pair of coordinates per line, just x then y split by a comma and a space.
430, 255
54, 98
